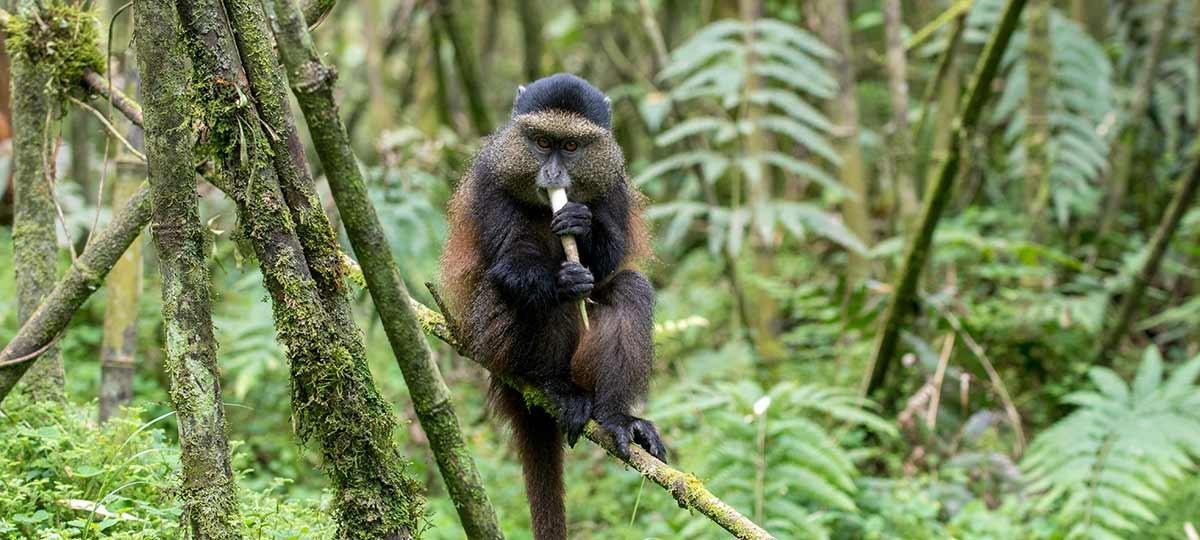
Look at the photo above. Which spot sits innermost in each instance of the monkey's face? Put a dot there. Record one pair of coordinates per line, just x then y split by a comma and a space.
553, 149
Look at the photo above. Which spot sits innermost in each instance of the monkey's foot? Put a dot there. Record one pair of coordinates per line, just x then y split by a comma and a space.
574, 411
626, 428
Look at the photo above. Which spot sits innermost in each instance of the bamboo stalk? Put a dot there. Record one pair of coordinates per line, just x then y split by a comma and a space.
312, 83
917, 250
686, 488
558, 199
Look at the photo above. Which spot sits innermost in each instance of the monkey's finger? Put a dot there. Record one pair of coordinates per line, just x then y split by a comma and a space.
647, 436
620, 435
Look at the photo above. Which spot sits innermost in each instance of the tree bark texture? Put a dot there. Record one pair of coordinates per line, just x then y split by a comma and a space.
834, 27
313, 84
334, 398
210, 503
35, 238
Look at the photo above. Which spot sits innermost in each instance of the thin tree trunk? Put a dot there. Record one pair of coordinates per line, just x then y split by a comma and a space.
81, 131
531, 34
210, 503
1127, 142
464, 61
124, 286
834, 27
1132, 297
334, 399
916, 252
35, 241
312, 83
441, 95
944, 88
902, 146
1040, 70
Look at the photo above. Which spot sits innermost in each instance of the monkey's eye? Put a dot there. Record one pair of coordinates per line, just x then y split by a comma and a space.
542, 142
570, 146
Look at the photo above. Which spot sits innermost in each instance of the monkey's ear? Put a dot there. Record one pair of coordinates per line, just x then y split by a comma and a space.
608, 105
520, 90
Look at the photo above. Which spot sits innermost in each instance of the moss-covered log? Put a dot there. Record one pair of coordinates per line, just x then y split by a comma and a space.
85, 275
686, 488
916, 252
334, 398
312, 83
210, 503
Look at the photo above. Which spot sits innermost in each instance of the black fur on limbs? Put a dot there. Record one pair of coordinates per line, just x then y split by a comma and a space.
517, 298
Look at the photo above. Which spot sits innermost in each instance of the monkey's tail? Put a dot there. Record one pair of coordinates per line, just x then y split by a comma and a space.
540, 445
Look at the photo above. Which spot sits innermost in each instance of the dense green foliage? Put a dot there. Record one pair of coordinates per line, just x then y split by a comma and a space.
1007, 427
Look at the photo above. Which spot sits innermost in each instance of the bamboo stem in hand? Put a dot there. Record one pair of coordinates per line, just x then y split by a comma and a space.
558, 199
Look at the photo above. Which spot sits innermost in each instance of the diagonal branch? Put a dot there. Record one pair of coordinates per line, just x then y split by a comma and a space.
687, 489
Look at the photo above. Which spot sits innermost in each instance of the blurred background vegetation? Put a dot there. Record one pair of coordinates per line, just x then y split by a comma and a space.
783, 164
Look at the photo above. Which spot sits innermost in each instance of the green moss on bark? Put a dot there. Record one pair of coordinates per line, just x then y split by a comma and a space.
61, 39
210, 500
312, 83
334, 399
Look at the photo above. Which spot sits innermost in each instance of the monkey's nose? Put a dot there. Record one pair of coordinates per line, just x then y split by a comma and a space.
553, 174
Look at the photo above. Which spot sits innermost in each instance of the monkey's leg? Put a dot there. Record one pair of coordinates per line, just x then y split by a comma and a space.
615, 356
539, 443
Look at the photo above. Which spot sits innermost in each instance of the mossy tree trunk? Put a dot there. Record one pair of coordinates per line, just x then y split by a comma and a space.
1132, 297
1127, 142
833, 24
35, 245
918, 247
312, 83
210, 504
334, 398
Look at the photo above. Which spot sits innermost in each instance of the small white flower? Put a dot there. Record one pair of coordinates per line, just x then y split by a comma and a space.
761, 405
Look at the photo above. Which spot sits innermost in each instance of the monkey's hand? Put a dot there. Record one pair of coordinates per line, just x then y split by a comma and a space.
574, 409
626, 428
574, 219
574, 281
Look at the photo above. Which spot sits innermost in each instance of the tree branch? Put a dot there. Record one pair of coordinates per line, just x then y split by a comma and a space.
84, 277
686, 488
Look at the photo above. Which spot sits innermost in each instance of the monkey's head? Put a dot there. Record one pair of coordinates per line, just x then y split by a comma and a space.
560, 136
